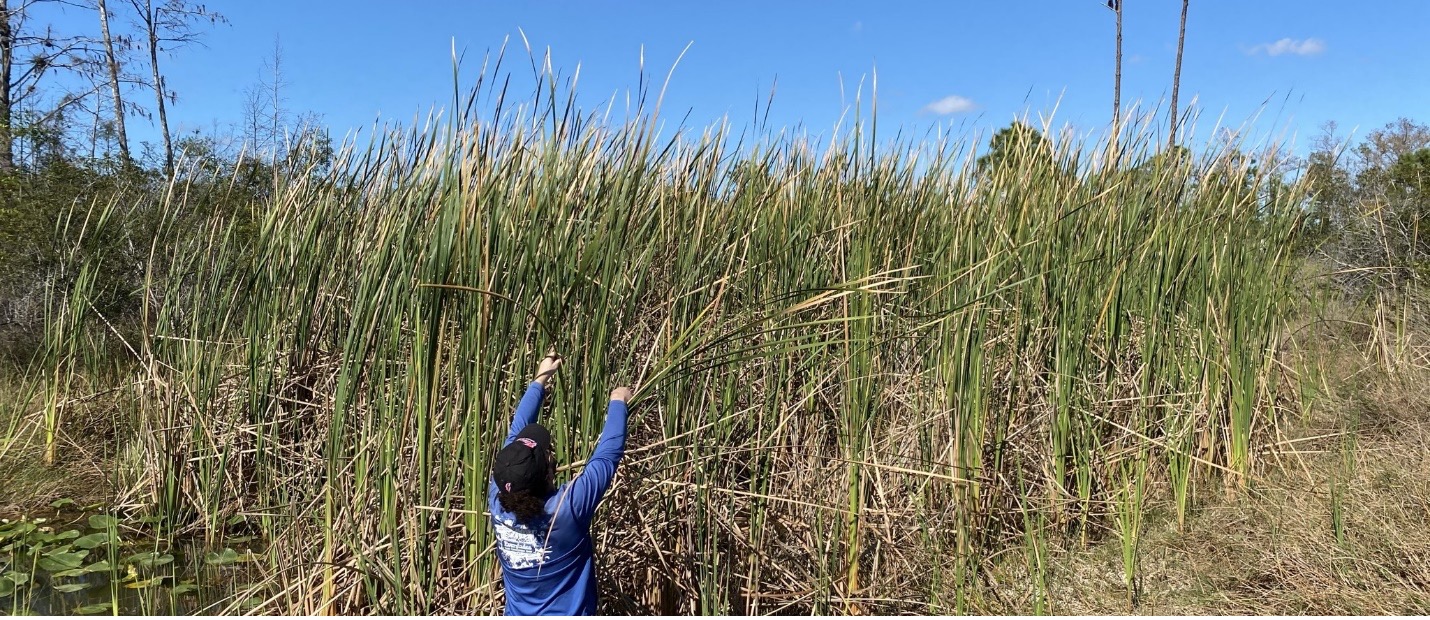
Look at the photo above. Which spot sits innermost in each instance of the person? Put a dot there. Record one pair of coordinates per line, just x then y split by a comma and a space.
543, 532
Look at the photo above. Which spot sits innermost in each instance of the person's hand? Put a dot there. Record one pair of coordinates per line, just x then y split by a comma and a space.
623, 394
548, 367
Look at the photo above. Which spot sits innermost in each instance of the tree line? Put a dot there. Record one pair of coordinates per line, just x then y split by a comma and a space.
1368, 208
68, 102
50, 80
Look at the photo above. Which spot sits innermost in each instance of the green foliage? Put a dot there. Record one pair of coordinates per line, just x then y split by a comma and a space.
1331, 194
1410, 175
50, 238
1371, 212
1021, 147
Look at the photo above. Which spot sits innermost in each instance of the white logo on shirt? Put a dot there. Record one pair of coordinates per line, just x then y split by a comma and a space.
519, 545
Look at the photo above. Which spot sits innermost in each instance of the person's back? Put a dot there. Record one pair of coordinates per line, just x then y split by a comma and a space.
543, 533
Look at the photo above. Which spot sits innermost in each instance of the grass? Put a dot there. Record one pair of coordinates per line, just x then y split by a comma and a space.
78, 473
1335, 523
874, 376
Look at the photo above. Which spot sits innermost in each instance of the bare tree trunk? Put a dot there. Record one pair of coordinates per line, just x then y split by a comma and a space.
277, 129
163, 115
1177, 76
276, 99
151, 25
113, 63
7, 63
1117, 85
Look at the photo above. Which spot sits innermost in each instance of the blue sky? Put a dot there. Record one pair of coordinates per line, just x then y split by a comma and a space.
1295, 63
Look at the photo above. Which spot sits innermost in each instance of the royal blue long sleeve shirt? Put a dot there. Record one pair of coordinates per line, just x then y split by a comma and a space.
549, 567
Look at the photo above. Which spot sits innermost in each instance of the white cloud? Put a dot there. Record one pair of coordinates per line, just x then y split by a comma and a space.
952, 104
1308, 47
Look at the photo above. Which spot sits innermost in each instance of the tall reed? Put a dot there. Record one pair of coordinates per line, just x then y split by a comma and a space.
864, 369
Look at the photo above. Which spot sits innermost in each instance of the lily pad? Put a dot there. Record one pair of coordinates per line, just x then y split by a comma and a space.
47, 538
61, 503
101, 566
188, 587
57, 562
93, 540
144, 583
149, 559
97, 608
16, 577
73, 587
222, 558
102, 522
63, 550
53, 550
7, 587
16, 530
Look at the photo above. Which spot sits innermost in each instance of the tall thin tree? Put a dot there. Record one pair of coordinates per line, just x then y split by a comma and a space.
166, 27
1177, 76
111, 61
7, 63
1116, 6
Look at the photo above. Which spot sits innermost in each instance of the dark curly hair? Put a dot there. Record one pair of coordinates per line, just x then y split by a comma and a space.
528, 508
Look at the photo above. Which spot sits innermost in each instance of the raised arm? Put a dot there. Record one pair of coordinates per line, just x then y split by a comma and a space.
530, 404
588, 488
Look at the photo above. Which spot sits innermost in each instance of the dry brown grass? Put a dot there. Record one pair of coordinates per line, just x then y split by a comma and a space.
82, 472
1274, 550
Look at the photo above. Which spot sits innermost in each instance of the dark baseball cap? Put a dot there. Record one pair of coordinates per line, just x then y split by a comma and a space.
524, 464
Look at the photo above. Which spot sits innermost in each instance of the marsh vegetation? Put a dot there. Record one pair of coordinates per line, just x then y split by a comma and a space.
873, 375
